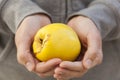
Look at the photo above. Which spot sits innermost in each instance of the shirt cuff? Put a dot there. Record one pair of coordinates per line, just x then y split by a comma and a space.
101, 15
14, 12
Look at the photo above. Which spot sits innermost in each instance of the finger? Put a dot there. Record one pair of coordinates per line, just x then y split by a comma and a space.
82, 52
43, 67
92, 60
89, 59
61, 73
74, 66
94, 51
98, 59
62, 79
46, 74
24, 57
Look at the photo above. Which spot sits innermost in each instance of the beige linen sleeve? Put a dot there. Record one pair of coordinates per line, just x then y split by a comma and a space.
14, 11
106, 15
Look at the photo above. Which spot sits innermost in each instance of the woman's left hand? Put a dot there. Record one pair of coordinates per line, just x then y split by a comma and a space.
91, 40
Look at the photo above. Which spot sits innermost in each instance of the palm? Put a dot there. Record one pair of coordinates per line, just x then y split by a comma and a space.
91, 52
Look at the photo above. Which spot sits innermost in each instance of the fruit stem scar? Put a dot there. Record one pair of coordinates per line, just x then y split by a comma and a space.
42, 42
45, 40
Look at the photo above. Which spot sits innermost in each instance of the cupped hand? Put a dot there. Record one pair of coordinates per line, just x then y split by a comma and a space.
24, 37
45, 69
91, 40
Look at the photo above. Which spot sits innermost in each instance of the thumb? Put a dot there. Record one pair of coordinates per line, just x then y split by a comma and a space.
93, 55
92, 58
25, 57
88, 60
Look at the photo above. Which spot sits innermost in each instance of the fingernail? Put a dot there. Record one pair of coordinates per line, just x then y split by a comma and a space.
88, 64
29, 66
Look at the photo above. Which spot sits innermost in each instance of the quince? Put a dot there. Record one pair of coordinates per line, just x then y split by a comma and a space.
56, 40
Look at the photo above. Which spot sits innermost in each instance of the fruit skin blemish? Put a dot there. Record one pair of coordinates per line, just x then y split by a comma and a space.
56, 40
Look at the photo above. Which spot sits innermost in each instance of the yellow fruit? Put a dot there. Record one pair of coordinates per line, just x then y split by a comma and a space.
56, 40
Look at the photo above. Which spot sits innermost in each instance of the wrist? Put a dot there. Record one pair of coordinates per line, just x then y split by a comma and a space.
29, 26
38, 18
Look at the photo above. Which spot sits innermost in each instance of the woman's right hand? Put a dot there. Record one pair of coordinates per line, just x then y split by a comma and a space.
24, 38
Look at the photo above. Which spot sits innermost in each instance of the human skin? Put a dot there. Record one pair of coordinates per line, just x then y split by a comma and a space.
61, 70
24, 38
91, 40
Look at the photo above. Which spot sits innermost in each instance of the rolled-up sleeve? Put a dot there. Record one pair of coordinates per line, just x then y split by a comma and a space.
106, 15
14, 11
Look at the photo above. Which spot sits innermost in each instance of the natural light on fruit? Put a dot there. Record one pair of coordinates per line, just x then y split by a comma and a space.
56, 40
